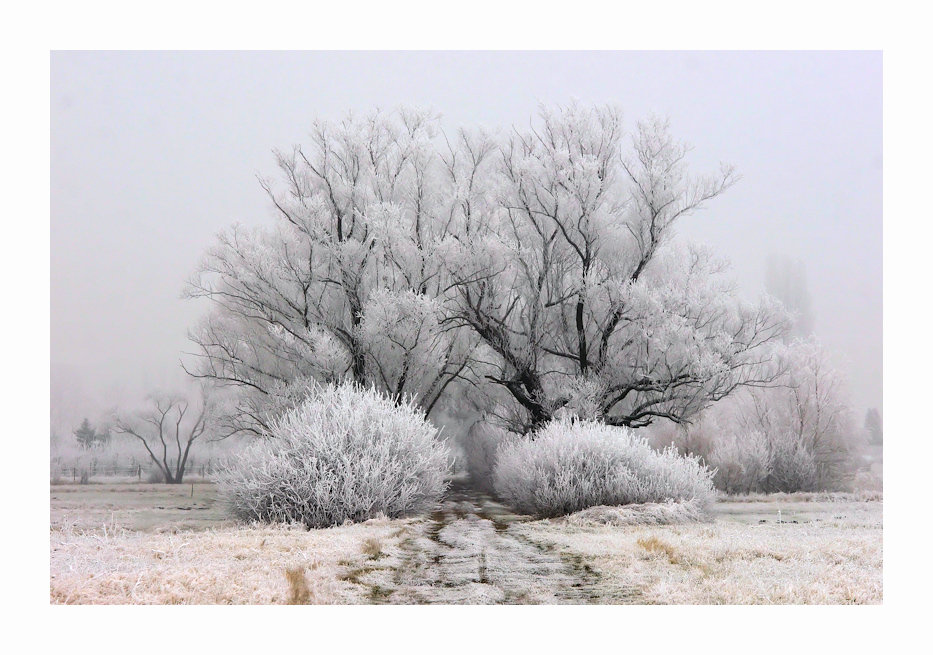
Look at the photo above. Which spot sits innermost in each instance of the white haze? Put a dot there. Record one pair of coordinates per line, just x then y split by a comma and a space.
153, 153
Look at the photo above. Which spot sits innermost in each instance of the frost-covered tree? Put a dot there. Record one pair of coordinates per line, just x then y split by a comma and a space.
85, 434
346, 284
812, 432
535, 265
564, 272
168, 426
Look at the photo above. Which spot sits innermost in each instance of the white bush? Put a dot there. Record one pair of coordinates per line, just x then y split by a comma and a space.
742, 461
811, 431
798, 436
568, 466
344, 454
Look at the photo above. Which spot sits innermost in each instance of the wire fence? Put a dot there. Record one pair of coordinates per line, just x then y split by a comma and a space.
140, 471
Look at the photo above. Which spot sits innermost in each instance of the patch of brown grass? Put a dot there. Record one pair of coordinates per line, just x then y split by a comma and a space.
654, 545
372, 548
299, 593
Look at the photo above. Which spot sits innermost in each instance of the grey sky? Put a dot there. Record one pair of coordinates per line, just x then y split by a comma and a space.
154, 153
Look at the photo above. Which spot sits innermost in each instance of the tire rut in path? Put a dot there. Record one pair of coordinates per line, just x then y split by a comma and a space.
469, 554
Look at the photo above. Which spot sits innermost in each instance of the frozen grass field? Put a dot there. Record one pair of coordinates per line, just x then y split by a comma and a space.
160, 544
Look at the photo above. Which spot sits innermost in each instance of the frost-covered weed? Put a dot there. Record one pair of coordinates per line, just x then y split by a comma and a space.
345, 454
569, 466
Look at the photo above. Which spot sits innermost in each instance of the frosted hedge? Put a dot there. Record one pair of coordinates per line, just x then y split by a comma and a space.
568, 466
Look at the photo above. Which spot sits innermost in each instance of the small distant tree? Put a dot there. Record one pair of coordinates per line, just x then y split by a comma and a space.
85, 434
168, 426
873, 426
88, 437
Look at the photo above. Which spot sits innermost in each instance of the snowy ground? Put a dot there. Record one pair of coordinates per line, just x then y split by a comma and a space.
155, 544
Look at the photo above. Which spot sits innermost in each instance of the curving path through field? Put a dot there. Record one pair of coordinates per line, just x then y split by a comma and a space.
470, 553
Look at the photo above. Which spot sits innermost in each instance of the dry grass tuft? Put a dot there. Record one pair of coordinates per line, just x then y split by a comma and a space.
372, 548
299, 593
654, 545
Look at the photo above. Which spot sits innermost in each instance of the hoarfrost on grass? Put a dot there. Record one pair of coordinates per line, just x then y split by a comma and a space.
669, 513
832, 555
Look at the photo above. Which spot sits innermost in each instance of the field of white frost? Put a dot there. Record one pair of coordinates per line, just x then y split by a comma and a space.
139, 544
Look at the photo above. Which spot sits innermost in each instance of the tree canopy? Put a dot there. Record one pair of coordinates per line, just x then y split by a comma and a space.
534, 267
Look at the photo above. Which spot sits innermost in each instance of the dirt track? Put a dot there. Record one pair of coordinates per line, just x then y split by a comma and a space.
469, 553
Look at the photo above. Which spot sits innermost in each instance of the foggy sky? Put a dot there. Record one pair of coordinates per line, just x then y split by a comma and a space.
152, 154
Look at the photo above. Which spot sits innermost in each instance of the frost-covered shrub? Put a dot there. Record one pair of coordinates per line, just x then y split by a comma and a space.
813, 440
798, 436
742, 461
568, 466
345, 453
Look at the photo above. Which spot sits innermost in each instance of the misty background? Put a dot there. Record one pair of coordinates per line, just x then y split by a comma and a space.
152, 154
